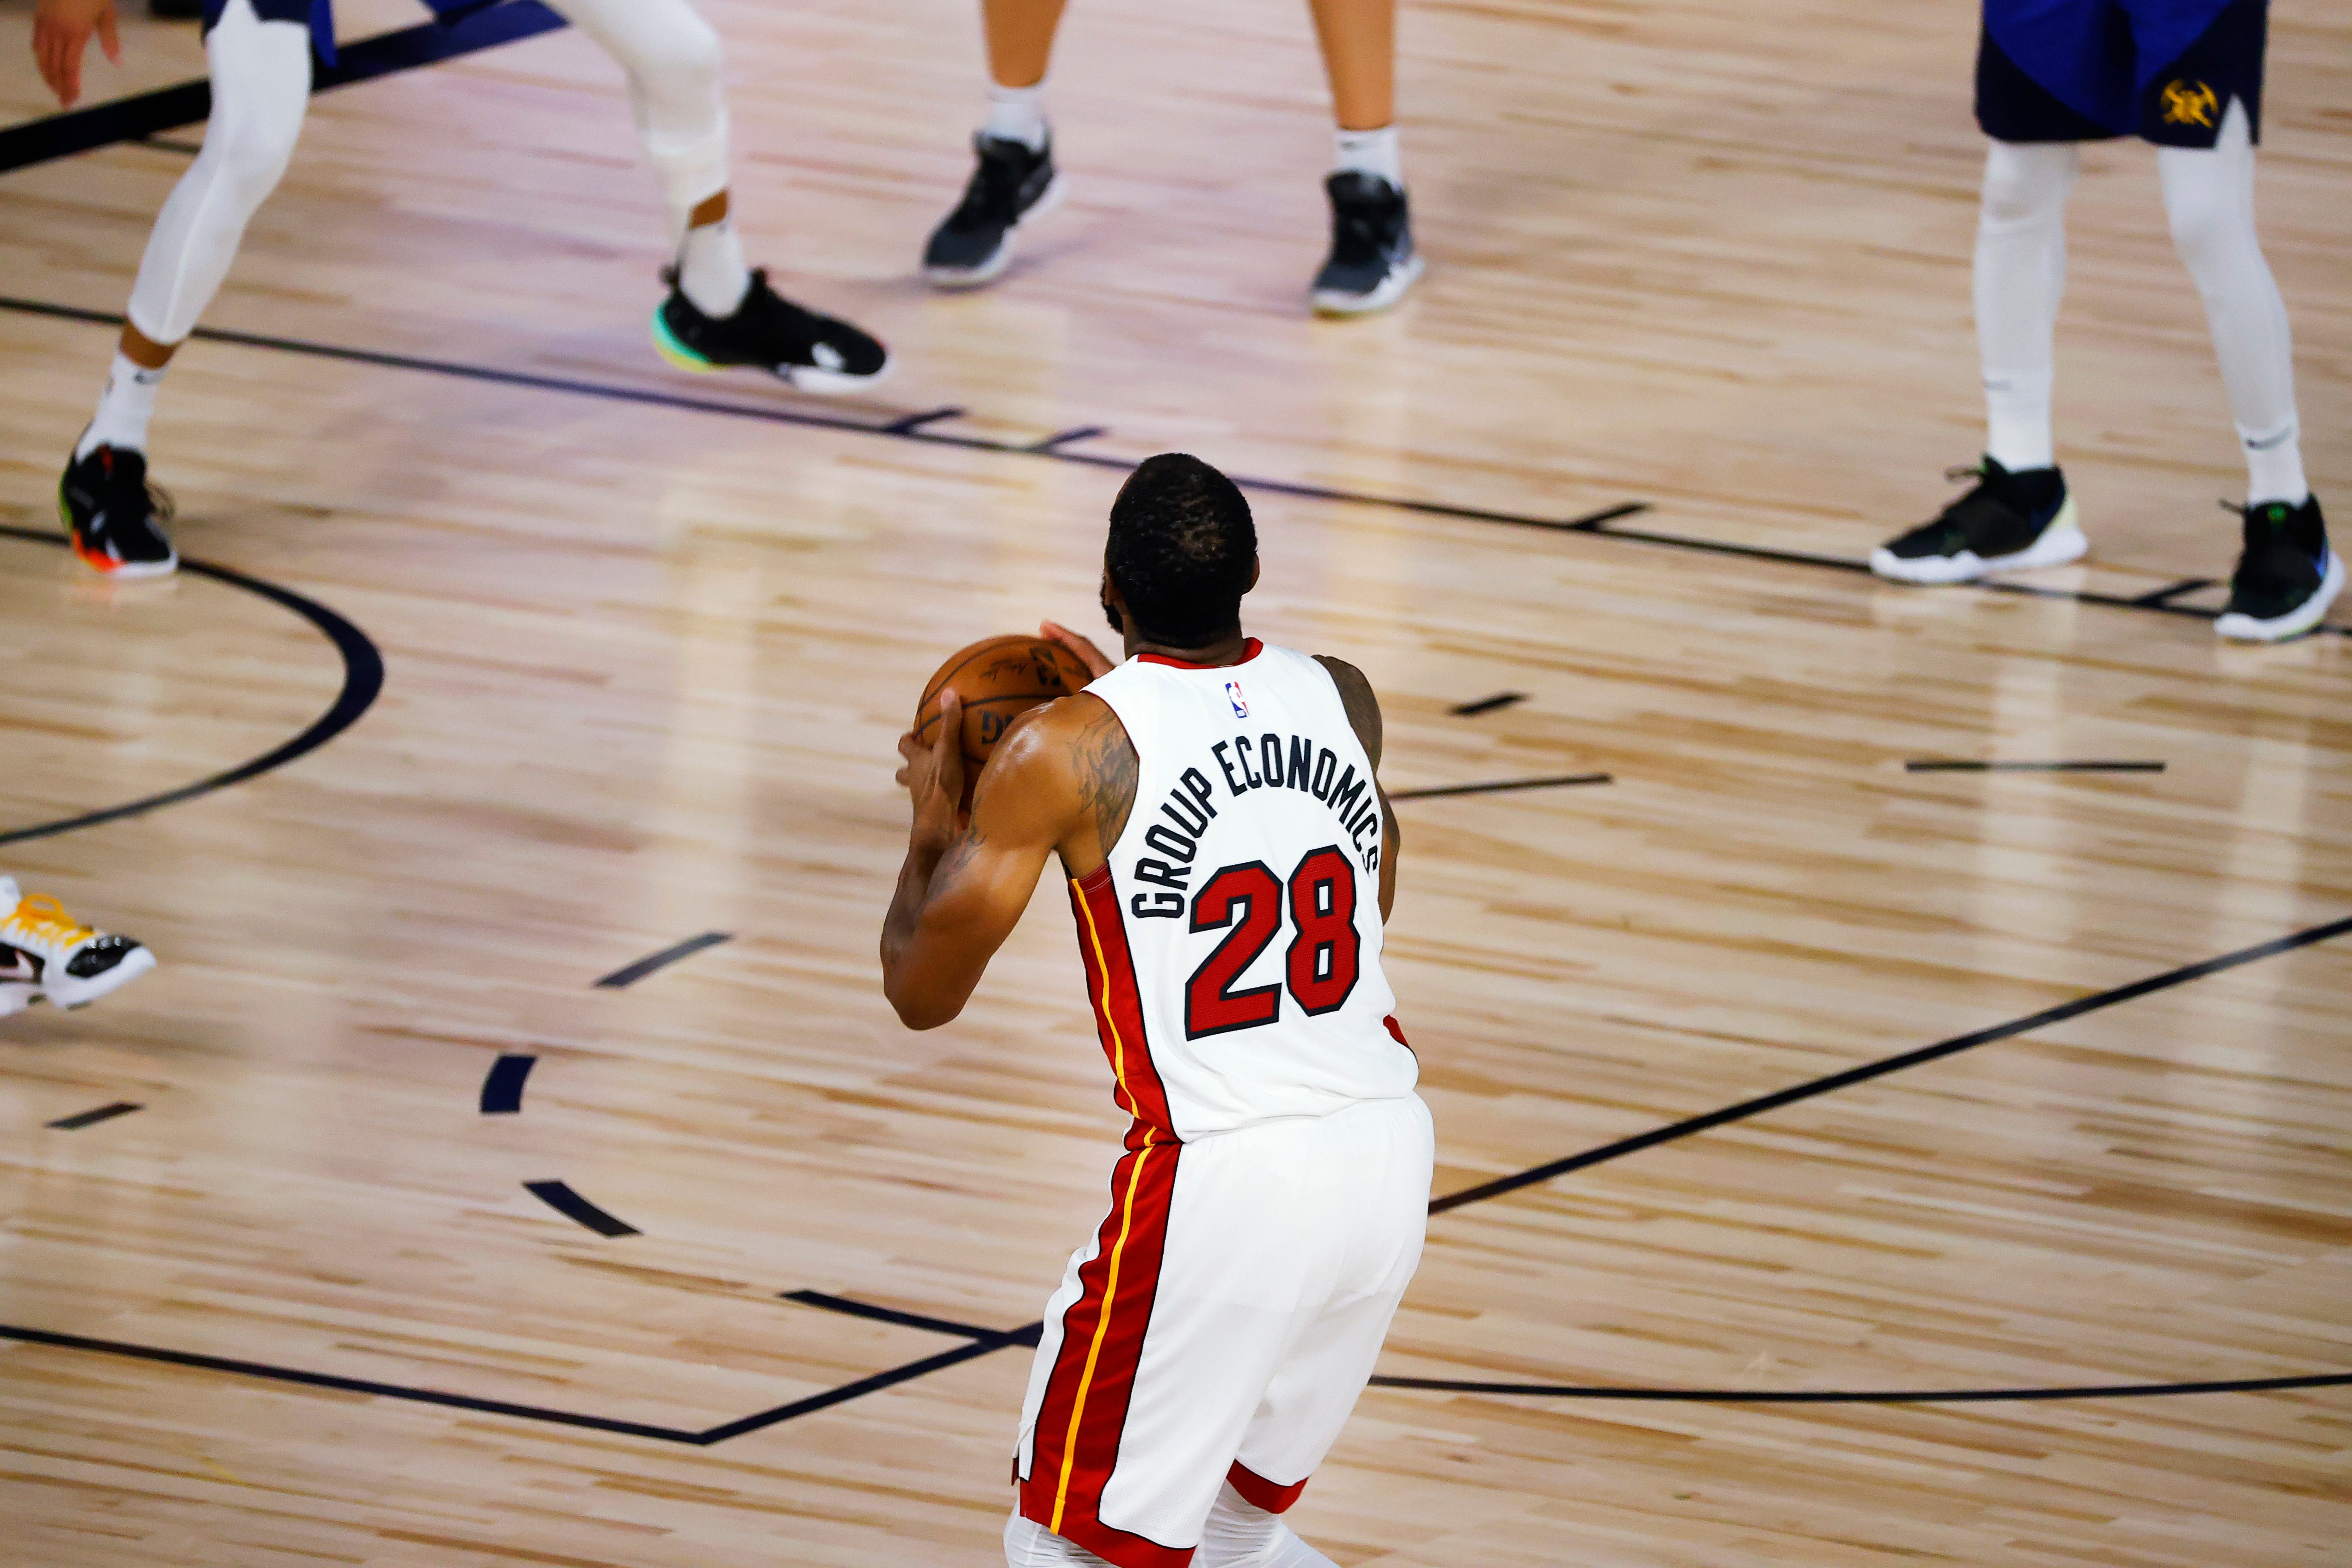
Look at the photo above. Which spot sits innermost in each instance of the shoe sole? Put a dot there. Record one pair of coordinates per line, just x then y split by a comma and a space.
68, 992
1391, 289
2061, 541
955, 279
15, 996
105, 565
2303, 618
799, 377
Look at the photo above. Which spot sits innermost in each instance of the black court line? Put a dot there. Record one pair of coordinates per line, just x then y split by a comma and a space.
979, 1346
80, 1119
1486, 704
186, 103
1064, 437
1941, 765
1868, 1396
1028, 1334
1864, 1074
559, 1197
502, 1085
2163, 596
1596, 524
346, 1385
913, 422
363, 681
1500, 784
630, 973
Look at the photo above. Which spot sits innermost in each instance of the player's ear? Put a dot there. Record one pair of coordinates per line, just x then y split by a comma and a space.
1255, 565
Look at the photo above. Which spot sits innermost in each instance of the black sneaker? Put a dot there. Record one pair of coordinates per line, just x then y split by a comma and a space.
1011, 185
1373, 262
813, 352
115, 516
2008, 522
2286, 577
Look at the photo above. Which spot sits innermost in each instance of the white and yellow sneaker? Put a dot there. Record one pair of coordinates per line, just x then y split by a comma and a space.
47, 955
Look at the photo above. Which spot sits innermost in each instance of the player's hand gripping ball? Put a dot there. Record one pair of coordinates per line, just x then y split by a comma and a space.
997, 679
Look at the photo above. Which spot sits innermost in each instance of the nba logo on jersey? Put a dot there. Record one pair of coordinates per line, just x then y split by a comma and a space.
1234, 696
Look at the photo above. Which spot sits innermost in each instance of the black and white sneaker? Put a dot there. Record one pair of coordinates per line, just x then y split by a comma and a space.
1012, 185
46, 955
2007, 522
813, 352
115, 516
2286, 577
1373, 260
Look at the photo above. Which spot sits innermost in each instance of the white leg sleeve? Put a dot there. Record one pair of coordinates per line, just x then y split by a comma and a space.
2020, 271
1240, 1534
673, 60
1028, 1544
2209, 194
261, 85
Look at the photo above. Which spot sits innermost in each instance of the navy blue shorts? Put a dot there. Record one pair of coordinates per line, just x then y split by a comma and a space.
2084, 71
319, 15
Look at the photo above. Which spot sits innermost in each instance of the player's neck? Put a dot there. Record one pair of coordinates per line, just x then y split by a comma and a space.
1231, 648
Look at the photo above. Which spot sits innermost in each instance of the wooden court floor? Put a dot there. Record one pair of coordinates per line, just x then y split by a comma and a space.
645, 643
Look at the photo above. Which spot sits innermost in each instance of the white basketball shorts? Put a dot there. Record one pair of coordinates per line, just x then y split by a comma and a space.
1221, 1324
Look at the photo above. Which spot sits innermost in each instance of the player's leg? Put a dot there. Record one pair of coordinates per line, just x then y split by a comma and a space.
2018, 514
1160, 1344
2203, 110
46, 954
260, 67
719, 312
1373, 262
1376, 1161
1013, 180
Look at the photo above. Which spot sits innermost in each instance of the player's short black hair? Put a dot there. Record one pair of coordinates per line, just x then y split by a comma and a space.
1182, 547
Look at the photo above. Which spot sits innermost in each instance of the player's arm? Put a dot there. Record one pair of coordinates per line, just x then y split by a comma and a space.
1364, 717
963, 887
61, 30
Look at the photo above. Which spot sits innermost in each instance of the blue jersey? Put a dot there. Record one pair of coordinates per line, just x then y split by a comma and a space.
319, 15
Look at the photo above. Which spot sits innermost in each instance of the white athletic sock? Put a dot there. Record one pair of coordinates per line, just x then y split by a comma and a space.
2021, 272
1370, 153
1016, 114
124, 408
1240, 1534
711, 272
2209, 195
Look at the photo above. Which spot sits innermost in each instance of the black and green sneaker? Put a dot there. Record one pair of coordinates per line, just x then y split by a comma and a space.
2286, 576
768, 332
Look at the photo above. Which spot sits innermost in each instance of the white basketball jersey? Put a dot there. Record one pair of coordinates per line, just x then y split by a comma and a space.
1232, 938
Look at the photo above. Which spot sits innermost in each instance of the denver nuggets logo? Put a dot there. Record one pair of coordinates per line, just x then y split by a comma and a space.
2189, 103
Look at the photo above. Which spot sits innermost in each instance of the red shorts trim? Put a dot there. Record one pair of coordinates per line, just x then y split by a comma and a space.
1259, 1492
1084, 1414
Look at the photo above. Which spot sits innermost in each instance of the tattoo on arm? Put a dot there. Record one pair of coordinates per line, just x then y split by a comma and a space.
1106, 768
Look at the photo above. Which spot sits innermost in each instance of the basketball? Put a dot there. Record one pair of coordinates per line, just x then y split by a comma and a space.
999, 678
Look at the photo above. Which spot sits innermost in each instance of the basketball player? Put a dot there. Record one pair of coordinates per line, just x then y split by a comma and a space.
1231, 860
2186, 74
720, 312
1371, 262
46, 955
